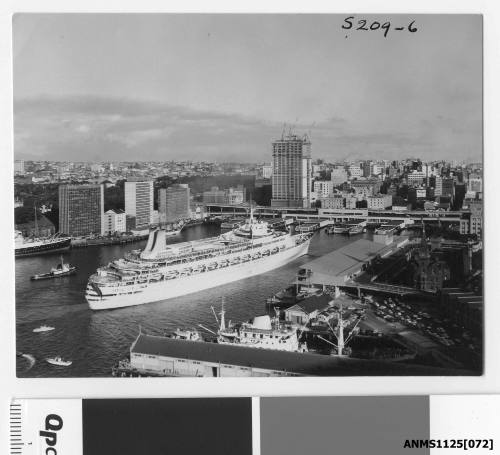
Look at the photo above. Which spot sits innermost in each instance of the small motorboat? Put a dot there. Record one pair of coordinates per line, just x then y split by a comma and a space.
43, 328
60, 270
59, 361
186, 334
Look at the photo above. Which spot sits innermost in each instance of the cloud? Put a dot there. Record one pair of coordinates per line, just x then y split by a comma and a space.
78, 128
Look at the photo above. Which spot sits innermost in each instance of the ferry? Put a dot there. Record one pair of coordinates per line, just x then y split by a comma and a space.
163, 271
60, 270
307, 227
340, 229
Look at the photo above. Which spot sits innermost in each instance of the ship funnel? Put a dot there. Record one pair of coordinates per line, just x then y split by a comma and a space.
262, 322
149, 245
156, 244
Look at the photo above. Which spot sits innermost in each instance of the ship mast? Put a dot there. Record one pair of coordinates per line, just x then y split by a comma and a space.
36, 222
340, 336
251, 217
339, 330
222, 316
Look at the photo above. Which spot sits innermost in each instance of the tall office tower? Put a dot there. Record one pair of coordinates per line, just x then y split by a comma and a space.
139, 201
438, 191
173, 203
291, 178
81, 209
448, 187
367, 168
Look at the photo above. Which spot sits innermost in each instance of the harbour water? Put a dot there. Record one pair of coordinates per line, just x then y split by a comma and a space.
94, 341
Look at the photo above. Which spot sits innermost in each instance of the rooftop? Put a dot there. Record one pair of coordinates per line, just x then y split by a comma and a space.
344, 261
313, 303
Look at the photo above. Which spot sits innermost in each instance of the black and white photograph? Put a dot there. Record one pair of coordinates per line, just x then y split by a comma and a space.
248, 195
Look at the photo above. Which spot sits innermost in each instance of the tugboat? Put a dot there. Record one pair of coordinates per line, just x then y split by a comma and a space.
61, 269
59, 361
43, 328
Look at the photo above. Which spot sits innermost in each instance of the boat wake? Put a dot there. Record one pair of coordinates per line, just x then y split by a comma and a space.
30, 359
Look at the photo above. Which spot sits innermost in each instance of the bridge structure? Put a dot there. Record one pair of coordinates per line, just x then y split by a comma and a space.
400, 291
336, 215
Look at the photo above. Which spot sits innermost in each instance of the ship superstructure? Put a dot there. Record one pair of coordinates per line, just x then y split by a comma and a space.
264, 332
162, 271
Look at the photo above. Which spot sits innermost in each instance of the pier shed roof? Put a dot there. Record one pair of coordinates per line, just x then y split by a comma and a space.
343, 262
266, 359
311, 304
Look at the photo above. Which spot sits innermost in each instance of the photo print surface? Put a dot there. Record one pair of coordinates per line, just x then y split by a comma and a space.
218, 195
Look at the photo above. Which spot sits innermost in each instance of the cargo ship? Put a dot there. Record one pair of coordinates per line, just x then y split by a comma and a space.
162, 271
262, 332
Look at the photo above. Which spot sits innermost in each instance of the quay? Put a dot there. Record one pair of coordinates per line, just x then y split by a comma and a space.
84, 242
124, 239
338, 215
152, 355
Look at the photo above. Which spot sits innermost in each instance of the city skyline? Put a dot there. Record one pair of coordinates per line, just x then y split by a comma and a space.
133, 90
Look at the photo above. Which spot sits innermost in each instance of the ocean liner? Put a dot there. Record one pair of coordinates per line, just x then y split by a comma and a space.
162, 271
29, 247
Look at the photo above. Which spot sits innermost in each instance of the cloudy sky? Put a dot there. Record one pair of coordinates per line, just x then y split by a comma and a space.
220, 87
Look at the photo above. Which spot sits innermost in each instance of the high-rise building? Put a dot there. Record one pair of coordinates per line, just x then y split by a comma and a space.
367, 168
291, 177
173, 203
19, 167
139, 201
81, 210
448, 187
438, 190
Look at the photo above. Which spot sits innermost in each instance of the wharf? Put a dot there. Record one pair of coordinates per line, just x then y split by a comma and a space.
162, 356
81, 243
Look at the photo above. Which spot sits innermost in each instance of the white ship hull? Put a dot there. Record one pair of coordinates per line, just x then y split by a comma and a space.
168, 289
